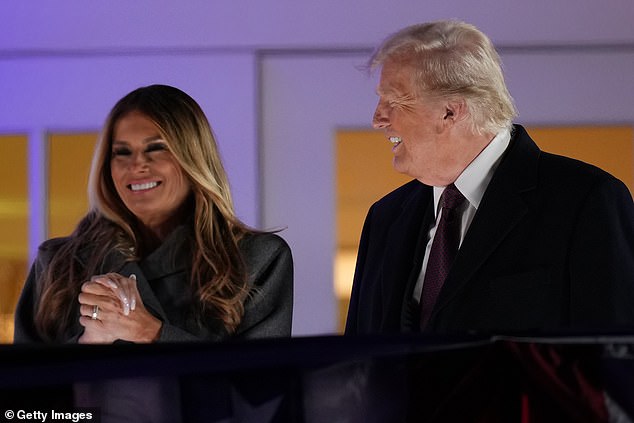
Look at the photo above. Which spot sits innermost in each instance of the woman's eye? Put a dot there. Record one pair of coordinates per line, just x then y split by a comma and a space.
121, 152
155, 147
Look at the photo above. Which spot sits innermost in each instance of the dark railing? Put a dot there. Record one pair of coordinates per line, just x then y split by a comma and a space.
328, 379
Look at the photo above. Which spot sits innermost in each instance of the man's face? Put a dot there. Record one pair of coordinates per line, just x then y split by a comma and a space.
415, 124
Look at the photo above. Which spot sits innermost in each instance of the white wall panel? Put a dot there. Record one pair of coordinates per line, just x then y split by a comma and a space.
572, 86
304, 101
117, 24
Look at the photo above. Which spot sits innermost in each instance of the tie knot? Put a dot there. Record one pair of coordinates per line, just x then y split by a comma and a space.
451, 197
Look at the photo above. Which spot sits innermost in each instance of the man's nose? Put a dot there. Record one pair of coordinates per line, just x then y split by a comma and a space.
380, 119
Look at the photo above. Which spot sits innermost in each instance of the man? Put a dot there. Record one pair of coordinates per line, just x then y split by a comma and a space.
530, 241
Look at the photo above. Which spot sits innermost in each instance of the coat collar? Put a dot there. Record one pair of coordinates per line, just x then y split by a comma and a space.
502, 208
169, 258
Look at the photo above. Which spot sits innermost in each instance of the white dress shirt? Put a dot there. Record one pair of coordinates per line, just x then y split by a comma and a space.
472, 183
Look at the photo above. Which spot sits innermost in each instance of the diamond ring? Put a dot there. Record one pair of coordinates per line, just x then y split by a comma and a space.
95, 311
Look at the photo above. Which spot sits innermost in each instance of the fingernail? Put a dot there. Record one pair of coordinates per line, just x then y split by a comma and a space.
111, 284
133, 306
133, 276
126, 309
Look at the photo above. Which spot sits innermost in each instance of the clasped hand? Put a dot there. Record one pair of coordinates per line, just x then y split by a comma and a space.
111, 308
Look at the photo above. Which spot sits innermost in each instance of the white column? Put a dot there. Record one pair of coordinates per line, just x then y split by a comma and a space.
38, 189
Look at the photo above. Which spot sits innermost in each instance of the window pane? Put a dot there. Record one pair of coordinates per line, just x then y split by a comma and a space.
69, 166
609, 147
364, 174
13, 227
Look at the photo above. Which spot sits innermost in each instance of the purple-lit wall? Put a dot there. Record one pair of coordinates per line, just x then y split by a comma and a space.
277, 78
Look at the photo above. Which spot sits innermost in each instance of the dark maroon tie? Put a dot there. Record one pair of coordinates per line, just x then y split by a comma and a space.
443, 251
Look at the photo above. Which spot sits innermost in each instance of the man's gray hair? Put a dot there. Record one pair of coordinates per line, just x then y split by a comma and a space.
453, 59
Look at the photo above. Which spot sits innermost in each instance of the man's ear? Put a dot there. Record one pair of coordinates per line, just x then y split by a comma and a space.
455, 110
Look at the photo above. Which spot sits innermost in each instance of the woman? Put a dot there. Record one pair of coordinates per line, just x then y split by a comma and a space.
161, 255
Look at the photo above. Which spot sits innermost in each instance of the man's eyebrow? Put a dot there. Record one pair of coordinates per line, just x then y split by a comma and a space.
397, 96
388, 91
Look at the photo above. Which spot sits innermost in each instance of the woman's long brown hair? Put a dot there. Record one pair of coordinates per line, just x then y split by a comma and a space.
218, 276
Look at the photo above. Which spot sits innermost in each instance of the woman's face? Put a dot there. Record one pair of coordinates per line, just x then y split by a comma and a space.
146, 175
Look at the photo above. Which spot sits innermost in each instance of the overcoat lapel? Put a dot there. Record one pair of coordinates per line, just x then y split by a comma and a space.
149, 299
501, 209
402, 251
164, 263
116, 262
161, 263
410, 311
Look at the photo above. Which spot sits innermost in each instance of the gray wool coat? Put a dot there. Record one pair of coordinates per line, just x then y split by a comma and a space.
162, 281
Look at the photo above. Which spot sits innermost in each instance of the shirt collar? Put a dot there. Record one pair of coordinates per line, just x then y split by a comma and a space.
474, 180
